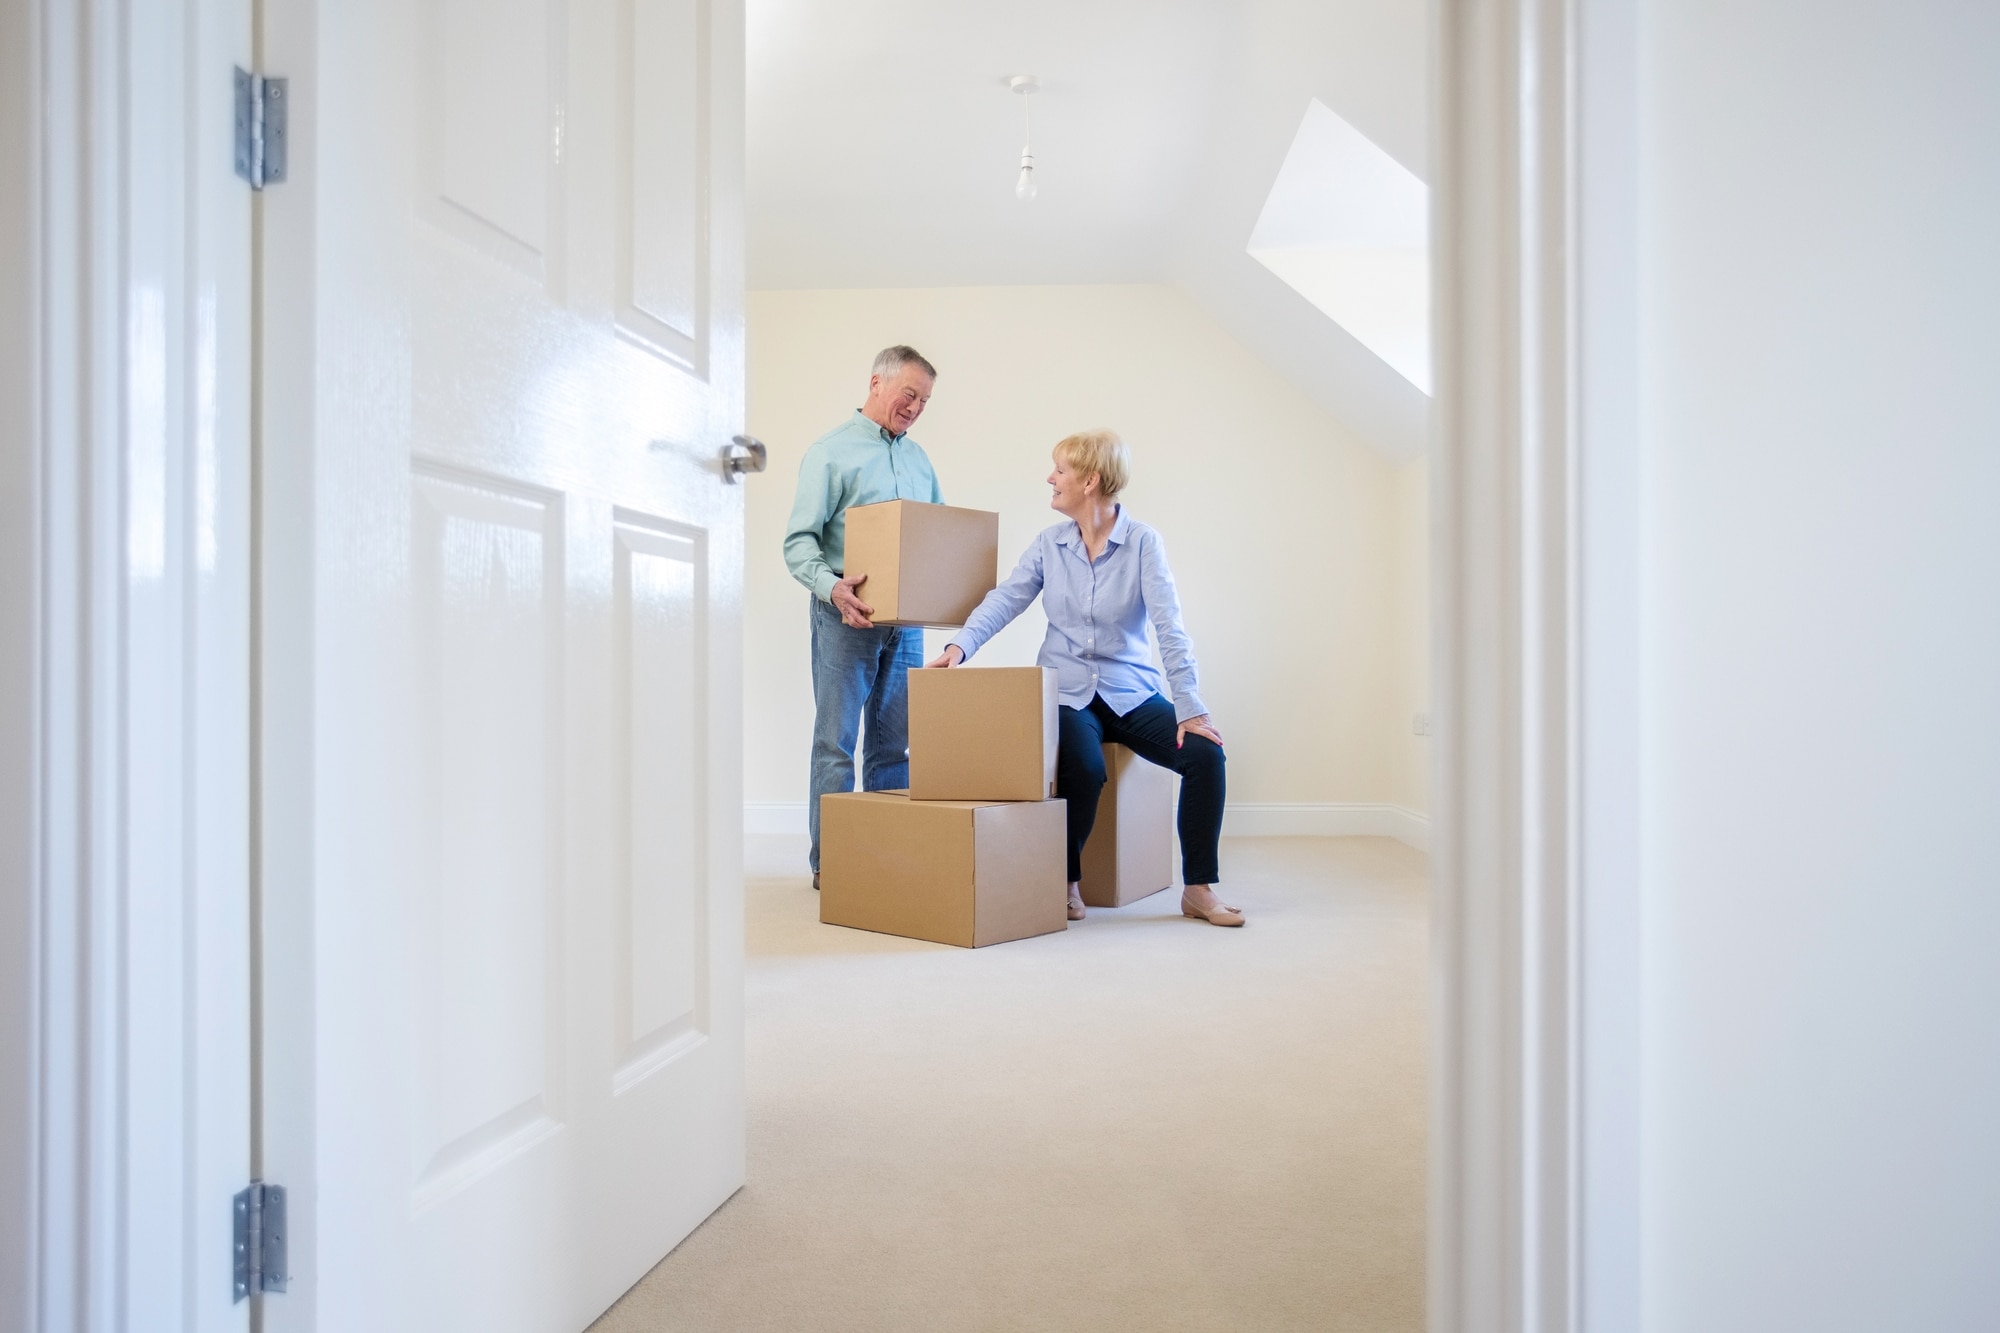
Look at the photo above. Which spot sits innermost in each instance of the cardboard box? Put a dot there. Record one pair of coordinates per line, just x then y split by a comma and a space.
926, 564
982, 734
1130, 852
968, 873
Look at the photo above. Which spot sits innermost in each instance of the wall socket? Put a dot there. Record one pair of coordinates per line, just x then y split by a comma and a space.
1420, 724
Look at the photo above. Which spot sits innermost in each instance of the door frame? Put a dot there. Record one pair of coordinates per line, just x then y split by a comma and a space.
124, 1039
1535, 1143
25, 280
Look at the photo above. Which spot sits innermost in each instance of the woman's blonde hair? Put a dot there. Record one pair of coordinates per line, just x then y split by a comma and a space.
1101, 452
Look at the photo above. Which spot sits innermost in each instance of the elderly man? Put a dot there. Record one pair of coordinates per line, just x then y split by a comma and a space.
858, 666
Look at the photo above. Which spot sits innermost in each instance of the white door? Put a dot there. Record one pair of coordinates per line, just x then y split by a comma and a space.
502, 926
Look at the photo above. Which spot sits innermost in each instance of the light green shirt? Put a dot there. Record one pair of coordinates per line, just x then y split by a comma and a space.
856, 463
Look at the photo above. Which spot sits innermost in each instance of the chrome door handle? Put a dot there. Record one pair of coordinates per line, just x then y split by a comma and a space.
745, 454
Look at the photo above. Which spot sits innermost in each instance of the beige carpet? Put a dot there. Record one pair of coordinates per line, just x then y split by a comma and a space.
1143, 1123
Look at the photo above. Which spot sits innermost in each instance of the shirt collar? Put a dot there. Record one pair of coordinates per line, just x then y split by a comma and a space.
881, 432
1120, 532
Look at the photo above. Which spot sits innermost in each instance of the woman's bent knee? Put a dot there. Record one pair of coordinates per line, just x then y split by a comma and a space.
1200, 757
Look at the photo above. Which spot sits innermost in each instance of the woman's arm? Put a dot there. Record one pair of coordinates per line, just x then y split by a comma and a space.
999, 607
1163, 608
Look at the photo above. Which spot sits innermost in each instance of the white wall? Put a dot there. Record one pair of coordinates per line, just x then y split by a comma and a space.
1279, 522
1820, 251
1410, 609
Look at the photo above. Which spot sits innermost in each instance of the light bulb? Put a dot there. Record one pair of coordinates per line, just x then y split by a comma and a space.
1024, 188
1024, 184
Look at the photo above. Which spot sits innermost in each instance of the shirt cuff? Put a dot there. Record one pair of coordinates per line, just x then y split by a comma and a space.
1187, 707
822, 585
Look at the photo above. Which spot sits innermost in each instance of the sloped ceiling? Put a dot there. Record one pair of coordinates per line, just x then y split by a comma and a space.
883, 146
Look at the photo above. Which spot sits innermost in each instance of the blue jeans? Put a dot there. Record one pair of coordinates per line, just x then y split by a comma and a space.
857, 672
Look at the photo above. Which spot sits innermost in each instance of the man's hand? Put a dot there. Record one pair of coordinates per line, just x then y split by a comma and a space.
950, 657
854, 612
1200, 726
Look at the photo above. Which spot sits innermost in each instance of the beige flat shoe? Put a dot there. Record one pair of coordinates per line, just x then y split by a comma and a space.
1075, 907
1227, 907
1219, 915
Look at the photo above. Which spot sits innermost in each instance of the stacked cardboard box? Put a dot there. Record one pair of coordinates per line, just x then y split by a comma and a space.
983, 734
958, 872
973, 852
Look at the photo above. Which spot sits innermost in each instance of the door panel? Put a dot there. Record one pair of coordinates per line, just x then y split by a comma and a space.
489, 970
491, 172
662, 741
519, 905
663, 178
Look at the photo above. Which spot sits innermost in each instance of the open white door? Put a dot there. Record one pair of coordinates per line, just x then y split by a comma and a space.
503, 355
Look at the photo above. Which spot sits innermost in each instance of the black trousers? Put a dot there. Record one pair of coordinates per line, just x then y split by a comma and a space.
1148, 731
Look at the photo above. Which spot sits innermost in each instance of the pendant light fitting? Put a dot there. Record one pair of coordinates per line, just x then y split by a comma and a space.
1026, 85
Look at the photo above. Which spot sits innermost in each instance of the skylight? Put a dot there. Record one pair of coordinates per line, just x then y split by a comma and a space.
1348, 227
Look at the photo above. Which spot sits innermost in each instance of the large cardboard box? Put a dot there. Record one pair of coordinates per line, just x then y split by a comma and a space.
969, 873
982, 734
926, 564
1130, 852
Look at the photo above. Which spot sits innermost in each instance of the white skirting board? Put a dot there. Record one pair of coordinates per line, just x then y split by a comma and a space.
1350, 819
1345, 819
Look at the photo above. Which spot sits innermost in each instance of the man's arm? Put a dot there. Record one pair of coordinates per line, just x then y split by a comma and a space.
812, 505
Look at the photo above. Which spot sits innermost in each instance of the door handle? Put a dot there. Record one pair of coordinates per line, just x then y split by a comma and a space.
745, 454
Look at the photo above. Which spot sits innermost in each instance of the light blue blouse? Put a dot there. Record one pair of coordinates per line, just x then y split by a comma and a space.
1098, 613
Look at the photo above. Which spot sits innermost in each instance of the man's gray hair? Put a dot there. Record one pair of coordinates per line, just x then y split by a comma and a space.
892, 359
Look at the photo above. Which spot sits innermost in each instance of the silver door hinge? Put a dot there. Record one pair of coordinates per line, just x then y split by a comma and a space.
260, 129
260, 1240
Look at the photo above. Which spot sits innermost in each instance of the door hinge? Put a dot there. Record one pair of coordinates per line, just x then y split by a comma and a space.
260, 1240
260, 129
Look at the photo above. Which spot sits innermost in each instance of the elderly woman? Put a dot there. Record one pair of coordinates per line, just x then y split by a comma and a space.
1103, 578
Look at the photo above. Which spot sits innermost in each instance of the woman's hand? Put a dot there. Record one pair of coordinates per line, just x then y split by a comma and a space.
950, 657
1200, 726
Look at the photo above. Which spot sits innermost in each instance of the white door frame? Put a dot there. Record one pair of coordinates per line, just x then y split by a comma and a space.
25, 278
1535, 1137
1535, 1134
124, 1039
